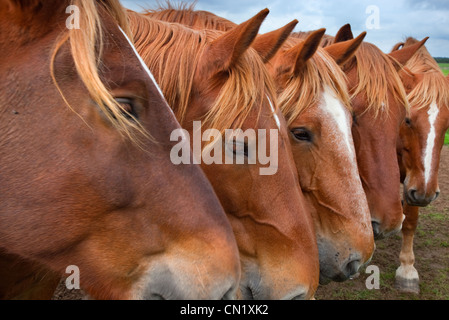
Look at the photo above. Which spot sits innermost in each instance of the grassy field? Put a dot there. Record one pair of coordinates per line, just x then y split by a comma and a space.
445, 68
431, 247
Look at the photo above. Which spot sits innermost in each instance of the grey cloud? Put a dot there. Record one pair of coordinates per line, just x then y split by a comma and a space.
429, 4
398, 18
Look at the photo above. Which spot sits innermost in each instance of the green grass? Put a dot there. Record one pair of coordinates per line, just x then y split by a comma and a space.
444, 244
445, 68
435, 216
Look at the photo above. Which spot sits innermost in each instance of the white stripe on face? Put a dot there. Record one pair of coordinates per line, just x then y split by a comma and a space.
145, 67
430, 144
336, 118
276, 118
334, 107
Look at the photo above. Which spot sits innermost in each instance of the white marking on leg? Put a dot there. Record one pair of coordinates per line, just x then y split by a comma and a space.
407, 272
430, 144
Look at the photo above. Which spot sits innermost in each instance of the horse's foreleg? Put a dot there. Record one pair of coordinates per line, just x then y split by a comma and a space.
407, 279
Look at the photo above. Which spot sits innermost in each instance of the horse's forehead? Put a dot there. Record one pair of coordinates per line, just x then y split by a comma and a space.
339, 115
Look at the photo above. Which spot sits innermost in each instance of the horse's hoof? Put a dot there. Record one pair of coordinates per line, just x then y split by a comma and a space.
407, 285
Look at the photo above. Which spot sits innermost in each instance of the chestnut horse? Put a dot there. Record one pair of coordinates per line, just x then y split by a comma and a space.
312, 95
86, 177
216, 77
379, 101
422, 138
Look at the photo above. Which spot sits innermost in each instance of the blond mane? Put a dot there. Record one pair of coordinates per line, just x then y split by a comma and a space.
86, 46
301, 92
187, 15
433, 85
325, 41
377, 76
305, 90
172, 51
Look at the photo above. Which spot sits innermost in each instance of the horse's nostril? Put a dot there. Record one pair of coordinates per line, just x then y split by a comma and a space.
436, 195
352, 267
412, 194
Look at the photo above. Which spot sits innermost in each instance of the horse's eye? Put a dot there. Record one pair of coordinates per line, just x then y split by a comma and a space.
302, 134
408, 121
240, 148
128, 109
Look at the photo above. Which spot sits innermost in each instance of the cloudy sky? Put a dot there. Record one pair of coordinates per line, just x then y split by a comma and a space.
386, 21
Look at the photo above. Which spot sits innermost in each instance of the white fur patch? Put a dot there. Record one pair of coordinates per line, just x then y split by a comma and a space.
276, 118
407, 272
338, 119
430, 144
145, 67
334, 107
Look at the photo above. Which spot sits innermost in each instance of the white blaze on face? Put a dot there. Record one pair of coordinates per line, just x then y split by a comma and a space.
337, 111
430, 144
337, 119
145, 67
276, 118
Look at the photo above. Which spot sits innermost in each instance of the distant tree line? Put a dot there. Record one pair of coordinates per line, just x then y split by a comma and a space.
441, 60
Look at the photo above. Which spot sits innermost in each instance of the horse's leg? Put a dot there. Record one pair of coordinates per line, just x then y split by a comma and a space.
407, 279
25, 280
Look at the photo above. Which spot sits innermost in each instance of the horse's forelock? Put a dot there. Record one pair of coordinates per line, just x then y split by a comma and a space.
86, 47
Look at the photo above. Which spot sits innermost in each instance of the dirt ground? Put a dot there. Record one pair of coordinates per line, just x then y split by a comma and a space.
431, 252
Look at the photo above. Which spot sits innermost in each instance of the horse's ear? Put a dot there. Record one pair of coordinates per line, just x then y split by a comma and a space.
343, 51
299, 54
409, 79
226, 50
269, 43
403, 55
397, 46
344, 34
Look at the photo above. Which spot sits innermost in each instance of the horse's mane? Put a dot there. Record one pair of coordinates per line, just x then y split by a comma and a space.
172, 52
186, 14
377, 76
303, 91
433, 85
325, 41
86, 46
